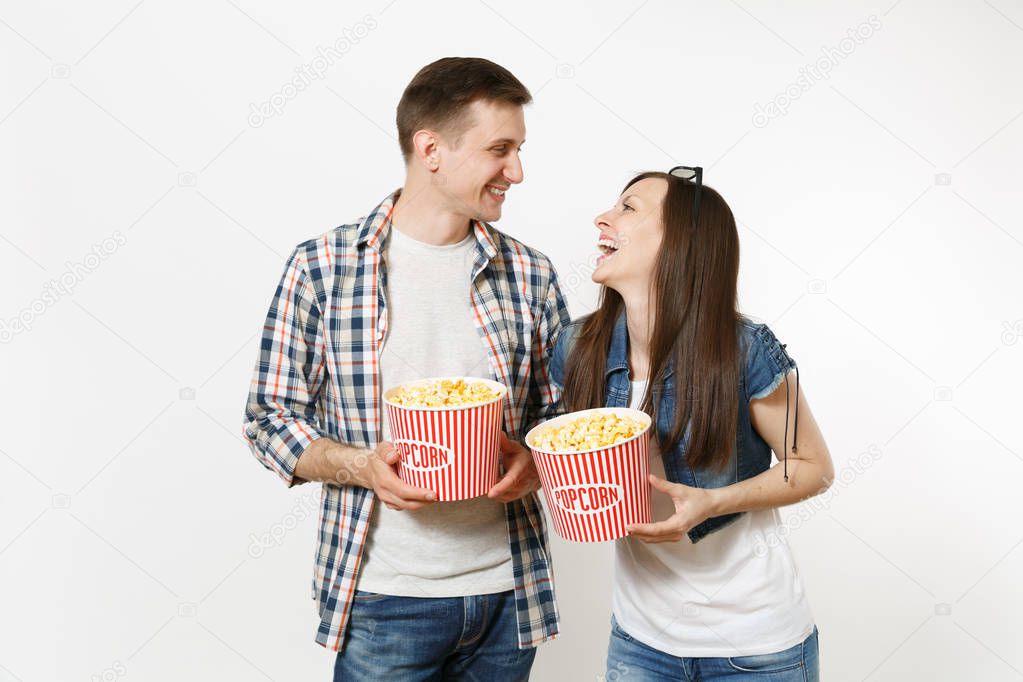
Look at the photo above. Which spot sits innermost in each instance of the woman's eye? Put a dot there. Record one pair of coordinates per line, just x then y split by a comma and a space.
626, 207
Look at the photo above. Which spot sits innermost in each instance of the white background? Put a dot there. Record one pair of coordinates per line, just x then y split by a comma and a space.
881, 239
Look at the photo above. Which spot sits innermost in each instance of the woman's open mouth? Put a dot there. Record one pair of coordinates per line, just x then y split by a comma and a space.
608, 248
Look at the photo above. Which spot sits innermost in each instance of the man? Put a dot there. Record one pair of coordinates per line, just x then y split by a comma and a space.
421, 287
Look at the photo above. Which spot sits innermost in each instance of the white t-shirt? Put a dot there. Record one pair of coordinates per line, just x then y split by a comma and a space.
737, 592
445, 549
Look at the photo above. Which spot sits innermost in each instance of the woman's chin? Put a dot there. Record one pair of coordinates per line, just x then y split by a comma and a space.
602, 274
602, 278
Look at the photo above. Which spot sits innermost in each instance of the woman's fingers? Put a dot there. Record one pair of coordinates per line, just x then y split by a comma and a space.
665, 530
654, 539
664, 486
659, 528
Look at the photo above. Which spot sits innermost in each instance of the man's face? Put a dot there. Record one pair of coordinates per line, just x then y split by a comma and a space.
476, 169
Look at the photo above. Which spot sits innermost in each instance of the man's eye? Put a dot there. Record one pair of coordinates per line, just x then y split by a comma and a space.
500, 150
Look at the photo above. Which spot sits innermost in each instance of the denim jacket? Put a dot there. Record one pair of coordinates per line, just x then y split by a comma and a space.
765, 366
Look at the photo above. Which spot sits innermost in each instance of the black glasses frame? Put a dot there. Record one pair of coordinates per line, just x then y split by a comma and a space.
695, 174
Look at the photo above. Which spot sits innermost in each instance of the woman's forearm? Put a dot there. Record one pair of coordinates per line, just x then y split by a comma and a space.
807, 478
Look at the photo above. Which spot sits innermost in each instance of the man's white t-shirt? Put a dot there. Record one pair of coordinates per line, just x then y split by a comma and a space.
737, 592
445, 549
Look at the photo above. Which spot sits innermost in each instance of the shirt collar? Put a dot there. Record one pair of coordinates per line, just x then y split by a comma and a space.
376, 228
618, 354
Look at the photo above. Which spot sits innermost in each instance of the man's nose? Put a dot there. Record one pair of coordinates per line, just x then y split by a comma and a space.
513, 170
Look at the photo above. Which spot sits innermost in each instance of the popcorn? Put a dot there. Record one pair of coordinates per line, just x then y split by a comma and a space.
590, 432
443, 393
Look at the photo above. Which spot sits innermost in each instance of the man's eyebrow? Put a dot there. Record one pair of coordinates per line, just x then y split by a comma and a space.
506, 140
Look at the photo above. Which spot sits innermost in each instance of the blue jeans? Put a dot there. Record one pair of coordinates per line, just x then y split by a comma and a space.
629, 660
406, 639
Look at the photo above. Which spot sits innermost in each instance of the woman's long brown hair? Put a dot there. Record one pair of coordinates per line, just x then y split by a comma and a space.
693, 288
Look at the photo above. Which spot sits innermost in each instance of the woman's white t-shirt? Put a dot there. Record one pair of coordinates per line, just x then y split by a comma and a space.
737, 592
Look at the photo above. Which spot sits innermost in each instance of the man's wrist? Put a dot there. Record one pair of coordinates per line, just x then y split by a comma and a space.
350, 465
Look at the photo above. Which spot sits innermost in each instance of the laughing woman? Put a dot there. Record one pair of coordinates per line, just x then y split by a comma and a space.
709, 590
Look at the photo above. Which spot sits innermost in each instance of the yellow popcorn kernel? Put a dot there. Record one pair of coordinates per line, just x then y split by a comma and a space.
590, 432
444, 393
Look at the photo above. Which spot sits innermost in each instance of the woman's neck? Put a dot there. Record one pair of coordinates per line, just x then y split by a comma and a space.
639, 315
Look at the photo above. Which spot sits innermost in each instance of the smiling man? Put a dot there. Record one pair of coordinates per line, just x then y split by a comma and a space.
409, 588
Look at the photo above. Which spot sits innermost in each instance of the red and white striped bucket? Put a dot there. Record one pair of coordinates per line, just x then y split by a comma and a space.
592, 496
454, 450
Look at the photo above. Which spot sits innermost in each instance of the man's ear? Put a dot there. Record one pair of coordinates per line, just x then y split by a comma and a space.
426, 148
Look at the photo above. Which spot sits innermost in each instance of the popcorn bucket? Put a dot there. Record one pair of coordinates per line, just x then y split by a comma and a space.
451, 450
593, 495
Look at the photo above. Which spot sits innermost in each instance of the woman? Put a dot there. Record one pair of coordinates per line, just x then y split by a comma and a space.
709, 590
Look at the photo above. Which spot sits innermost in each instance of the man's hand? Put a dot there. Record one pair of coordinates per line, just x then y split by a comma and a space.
376, 471
692, 507
520, 477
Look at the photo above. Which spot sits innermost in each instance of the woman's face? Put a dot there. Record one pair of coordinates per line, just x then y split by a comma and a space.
630, 236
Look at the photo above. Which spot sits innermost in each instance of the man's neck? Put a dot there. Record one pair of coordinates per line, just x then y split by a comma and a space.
420, 213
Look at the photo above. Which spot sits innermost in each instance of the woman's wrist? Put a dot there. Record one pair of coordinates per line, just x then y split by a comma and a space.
717, 501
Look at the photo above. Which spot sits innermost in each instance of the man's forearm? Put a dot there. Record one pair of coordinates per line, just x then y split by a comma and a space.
333, 462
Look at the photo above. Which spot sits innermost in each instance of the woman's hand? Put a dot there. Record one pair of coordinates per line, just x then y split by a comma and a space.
692, 507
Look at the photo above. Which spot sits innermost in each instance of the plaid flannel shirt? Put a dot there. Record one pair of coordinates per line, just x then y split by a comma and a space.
318, 375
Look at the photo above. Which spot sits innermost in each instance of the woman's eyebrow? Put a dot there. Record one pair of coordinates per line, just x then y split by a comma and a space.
629, 196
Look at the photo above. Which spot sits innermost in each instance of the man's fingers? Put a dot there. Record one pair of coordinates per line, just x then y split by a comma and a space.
399, 504
388, 453
506, 445
503, 486
408, 493
388, 480
395, 491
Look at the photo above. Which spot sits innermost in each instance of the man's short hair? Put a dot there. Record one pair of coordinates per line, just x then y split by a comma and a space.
440, 93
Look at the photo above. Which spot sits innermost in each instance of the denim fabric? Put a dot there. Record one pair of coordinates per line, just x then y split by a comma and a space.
765, 365
629, 660
413, 639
